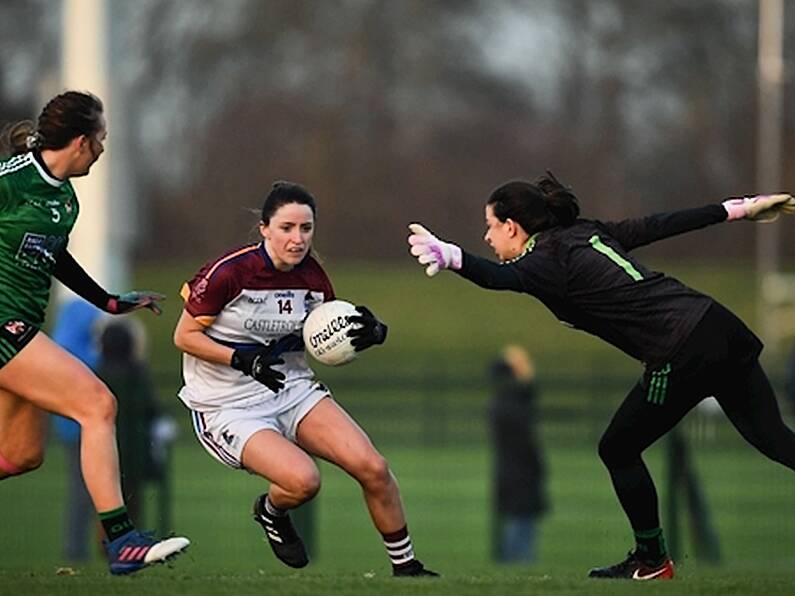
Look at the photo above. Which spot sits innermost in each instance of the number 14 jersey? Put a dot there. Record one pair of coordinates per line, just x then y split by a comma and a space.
244, 301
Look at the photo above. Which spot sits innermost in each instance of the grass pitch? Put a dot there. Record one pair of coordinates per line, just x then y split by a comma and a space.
443, 333
446, 493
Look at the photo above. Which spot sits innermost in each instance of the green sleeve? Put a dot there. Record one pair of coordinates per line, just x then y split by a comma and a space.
6, 193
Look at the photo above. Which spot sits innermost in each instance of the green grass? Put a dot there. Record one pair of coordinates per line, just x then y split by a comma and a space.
446, 493
422, 397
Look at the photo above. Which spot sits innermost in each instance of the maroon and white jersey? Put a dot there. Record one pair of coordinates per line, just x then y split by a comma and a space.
244, 301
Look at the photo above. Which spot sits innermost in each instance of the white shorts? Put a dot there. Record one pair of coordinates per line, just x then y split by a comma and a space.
224, 432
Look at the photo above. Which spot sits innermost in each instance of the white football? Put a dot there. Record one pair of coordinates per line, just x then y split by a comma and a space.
326, 333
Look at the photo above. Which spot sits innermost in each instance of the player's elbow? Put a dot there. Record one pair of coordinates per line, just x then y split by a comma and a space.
182, 339
178, 339
30, 461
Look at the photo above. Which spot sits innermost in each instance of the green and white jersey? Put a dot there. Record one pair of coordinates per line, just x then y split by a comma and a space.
37, 213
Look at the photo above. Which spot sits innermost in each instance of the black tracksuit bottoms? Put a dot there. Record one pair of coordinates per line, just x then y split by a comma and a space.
720, 359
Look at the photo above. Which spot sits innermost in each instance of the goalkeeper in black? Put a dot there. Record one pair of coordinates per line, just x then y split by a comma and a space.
691, 346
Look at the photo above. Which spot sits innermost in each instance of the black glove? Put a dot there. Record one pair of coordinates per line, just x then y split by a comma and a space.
370, 332
258, 363
119, 305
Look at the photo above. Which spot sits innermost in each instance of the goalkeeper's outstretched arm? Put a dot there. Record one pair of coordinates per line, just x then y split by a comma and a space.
634, 233
435, 255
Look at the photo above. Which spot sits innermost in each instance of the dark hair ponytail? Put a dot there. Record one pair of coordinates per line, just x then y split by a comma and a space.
65, 117
539, 206
559, 199
19, 137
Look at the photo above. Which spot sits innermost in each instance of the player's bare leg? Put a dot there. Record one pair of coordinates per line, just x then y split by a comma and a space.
329, 432
293, 475
23, 430
70, 389
294, 479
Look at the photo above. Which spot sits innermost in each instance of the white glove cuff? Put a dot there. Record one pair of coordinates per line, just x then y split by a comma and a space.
456, 257
735, 208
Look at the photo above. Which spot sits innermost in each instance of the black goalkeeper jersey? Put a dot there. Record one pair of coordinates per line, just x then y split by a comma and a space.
587, 277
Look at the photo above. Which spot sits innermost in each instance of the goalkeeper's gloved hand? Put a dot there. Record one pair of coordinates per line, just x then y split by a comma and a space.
431, 251
370, 331
258, 363
130, 301
763, 208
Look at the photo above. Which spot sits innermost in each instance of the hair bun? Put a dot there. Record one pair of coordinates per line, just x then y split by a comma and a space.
34, 140
559, 199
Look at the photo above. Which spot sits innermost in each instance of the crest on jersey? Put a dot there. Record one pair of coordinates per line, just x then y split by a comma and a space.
198, 289
17, 332
312, 300
15, 327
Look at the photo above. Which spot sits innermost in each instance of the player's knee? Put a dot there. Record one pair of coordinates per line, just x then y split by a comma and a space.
373, 471
32, 460
617, 453
304, 486
608, 452
26, 462
778, 449
100, 405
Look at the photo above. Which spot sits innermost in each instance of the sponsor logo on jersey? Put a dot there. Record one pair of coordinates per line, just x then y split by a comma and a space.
257, 299
271, 325
284, 294
37, 251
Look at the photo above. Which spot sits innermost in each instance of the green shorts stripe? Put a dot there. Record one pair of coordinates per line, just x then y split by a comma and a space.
658, 386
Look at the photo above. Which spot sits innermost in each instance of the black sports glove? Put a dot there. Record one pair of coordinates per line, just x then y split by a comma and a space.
258, 363
119, 305
371, 331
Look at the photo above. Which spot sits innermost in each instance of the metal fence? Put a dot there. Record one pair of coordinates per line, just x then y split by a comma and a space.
433, 409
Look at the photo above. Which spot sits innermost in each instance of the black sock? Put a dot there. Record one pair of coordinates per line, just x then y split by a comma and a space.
650, 546
116, 523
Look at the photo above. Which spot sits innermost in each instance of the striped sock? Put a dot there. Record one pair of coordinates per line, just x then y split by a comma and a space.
398, 547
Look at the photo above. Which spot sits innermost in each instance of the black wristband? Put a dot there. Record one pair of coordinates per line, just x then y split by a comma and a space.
73, 276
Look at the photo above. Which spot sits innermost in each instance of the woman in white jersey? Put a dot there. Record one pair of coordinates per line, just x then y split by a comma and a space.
255, 402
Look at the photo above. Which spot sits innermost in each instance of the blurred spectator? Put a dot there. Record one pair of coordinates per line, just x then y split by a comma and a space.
789, 389
74, 331
520, 471
143, 436
684, 483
